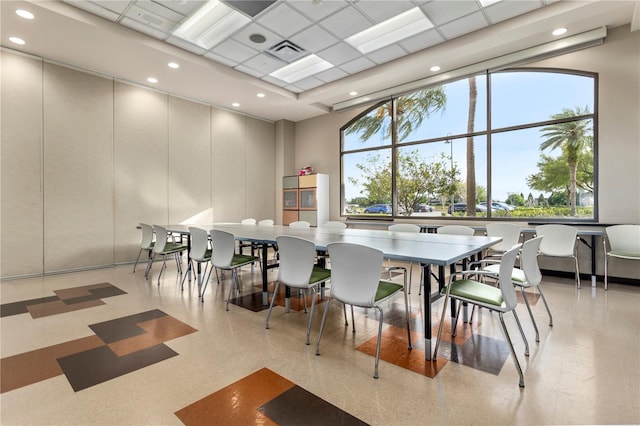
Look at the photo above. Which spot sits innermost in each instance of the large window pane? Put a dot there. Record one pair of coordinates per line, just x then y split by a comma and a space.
366, 177
370, 130
530, 97
450, 118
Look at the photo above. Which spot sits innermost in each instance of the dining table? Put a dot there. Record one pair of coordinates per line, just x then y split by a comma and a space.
424, 248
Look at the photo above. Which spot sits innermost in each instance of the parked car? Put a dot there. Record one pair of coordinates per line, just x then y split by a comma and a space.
498, 205
422, 208
378, 208
462, 207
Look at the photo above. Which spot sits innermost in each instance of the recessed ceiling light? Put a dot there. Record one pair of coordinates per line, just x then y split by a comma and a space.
353, 93
390, 31
302, 68
16, 40
435, 68
559, 31
24, 14
235, 104
260, 95
152, 80
173, 65
486, 3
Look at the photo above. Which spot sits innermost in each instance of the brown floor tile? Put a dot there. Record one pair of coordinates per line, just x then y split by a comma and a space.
59, 307
158, 330
238, 403
85, 290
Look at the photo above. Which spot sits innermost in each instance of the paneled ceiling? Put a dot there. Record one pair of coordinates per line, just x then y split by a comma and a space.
228, 52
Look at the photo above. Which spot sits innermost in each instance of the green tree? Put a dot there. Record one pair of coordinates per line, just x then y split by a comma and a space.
515, 199
572, 137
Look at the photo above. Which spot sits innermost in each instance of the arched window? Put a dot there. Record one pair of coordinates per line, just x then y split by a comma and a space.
511, 144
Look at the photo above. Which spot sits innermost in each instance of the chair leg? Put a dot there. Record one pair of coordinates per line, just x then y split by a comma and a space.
375, 371
533, 321
407, 314
344, 309
164, 265
205, 284
353, 321
147, 270
137, 259
524, 338
577, 272
273, 299
513, 352
324, 318
444, 312
544, 300
189, 268
313, 304
606, 278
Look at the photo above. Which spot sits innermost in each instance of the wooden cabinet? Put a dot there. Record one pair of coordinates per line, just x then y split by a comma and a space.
305, 198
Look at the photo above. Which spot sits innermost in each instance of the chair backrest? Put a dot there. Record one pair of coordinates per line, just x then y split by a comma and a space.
509, 232
296, 260
300, 224
266, 222
146, 236
161, 238
224, 246
403, 227
355, 273
199, 243
559, 240
456, 230
624, 240
334, 224
504, 277
248, 221
529, 261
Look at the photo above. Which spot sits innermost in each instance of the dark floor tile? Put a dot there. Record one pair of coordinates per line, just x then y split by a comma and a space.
16, 308
480, 352
125, 327
298, 406
59, 307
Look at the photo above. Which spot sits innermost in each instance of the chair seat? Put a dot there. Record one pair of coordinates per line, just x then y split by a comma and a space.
517, 275
624, 255
173, 247
241, 259
386, 289
319, 275
475, 291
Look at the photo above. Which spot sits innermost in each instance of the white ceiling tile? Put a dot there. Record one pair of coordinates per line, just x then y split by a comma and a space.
357, 65
96, 10
421, 41
443, 11
264, 63
346, 22
504, 10
220, 59
317, 10
243, 35
233, 50
284, 20
380, 11
387, 54
314, 39
293, 88
275, 81
183, 7
309, 83
144, 28
464, 25
331, 74
117, 6
157, 9
151, 19
339, 53
183, 44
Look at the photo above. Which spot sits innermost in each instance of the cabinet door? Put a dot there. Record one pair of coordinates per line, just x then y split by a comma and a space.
310, 216
308, 199
290, 199
307, 181
289, 182
289, 216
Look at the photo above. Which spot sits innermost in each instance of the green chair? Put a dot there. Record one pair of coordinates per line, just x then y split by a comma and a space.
224, 257
355, 281
199, 254
146, 243
163, 247
297, 270
500, 300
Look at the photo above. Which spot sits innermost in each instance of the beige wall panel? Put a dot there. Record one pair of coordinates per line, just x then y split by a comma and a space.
21, 228
228, 165
141, 164
189, 162
261, 176
78, 164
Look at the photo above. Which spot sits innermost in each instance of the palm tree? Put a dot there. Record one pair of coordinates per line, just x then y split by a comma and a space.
471, 155
572, 137
411, 110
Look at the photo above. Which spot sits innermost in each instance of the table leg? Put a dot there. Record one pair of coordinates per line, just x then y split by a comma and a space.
426, 278
265, 283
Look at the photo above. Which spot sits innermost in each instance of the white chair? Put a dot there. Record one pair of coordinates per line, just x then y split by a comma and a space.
265, 222
146, 244
510, 234
405, 227
527, 276
302, 224
334, 224
500, 300
456, 230
248, 221
355, 281
200, 253
297, 270
624, 243
559, 241
163, 247
224, 257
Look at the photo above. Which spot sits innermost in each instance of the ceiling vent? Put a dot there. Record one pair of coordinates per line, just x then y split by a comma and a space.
287, 51
249, 7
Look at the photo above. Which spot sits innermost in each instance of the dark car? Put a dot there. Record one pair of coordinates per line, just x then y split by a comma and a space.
378, 208
422, 208
462, 207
